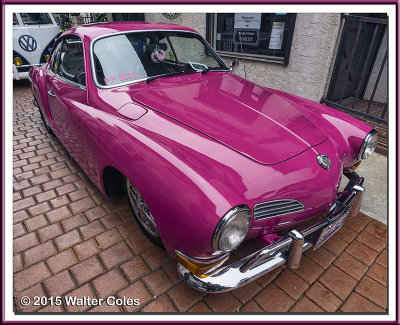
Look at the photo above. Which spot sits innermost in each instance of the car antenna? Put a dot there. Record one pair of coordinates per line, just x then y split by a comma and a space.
241, 47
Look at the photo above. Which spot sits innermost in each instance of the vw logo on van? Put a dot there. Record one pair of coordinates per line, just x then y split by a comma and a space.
27, 43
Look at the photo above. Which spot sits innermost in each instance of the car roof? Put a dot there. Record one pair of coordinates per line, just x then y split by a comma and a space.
93, 30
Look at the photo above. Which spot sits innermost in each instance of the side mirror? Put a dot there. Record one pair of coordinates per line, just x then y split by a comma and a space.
234, 63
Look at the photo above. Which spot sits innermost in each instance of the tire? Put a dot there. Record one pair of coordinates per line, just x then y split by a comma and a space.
45, 124
142, 213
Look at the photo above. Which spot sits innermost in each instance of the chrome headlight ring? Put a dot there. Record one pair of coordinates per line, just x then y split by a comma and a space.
232, 229
368, 146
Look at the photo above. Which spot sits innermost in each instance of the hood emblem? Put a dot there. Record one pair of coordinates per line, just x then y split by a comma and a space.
324, 161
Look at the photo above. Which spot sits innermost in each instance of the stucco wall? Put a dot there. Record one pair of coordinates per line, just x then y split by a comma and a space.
195, 21
313, 48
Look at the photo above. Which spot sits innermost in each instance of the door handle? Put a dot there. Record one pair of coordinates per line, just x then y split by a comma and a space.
51, 93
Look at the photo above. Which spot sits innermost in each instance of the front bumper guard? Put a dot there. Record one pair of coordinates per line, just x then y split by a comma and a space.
287, 250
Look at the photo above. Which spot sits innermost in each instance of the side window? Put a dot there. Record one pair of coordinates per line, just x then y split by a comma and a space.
15, 20
71, 65
55, 58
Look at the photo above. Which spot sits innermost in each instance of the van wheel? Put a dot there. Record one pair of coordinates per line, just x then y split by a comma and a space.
142, 214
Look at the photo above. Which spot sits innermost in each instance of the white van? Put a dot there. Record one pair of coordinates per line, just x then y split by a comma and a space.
33, 37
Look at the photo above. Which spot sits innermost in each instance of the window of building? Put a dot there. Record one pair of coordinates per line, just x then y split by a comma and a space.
35, 19
128, 16
260, 36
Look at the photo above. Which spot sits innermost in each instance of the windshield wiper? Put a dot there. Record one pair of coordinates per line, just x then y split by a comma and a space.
167, 75
210, 69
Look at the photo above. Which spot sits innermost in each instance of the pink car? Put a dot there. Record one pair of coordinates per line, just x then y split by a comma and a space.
206, 159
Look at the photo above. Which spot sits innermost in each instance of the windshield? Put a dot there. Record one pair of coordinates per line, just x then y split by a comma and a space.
35, 19
132, 56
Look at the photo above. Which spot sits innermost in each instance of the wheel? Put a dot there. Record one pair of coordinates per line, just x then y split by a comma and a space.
142, 214
46, 125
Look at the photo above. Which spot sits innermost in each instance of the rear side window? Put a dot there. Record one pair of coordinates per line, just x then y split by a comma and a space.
71, 63
35, 19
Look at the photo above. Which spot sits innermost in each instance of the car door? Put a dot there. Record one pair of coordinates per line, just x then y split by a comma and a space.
66, 88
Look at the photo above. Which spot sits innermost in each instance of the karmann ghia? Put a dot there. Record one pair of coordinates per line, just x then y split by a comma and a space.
206, 159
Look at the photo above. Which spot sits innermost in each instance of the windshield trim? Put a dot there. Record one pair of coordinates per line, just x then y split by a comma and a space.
94, 40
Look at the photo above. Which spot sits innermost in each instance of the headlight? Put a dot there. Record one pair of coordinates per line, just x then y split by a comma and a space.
232, 229
368, 146
17, 61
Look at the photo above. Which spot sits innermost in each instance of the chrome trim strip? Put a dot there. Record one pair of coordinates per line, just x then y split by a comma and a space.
359, 188
94, 40
205, 259
69, 82
29, 65
364, 143
268, 258
210, 263
275, 208
275, 203
277, 211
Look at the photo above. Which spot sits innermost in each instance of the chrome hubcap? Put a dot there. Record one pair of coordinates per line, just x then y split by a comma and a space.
141, 210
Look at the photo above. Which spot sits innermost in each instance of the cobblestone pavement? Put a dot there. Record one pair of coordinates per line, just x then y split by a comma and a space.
69, 240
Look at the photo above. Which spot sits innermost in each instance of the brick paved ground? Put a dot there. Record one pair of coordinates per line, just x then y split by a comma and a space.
71, 241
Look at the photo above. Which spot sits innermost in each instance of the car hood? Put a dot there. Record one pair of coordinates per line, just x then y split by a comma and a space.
248, 118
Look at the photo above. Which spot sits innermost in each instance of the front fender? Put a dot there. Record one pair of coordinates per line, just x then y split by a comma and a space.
186, 207
344, 131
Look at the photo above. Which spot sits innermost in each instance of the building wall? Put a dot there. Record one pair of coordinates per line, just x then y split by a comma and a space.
195, 21
313, 49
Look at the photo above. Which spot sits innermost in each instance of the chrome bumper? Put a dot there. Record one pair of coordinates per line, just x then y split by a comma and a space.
288, 249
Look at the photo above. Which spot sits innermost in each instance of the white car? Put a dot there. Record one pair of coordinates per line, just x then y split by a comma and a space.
33, 38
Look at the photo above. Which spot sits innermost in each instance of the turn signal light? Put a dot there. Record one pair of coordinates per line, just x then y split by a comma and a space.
17, 61
198, 267
354, 167
47, 57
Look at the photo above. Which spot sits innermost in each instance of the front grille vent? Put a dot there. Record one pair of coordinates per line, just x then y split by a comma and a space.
276, 208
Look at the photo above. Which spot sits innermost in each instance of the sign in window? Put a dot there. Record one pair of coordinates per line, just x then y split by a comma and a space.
259, 36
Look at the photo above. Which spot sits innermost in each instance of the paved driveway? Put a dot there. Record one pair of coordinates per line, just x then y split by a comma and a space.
69, 240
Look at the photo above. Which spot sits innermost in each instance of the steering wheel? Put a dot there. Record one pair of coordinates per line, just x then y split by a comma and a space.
80, 78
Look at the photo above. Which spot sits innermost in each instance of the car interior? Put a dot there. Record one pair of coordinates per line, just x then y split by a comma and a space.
72, 63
